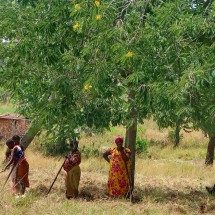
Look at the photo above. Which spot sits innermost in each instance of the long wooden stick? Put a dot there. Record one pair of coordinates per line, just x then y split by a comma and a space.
55, 178
129, 181
8, 176
14, 165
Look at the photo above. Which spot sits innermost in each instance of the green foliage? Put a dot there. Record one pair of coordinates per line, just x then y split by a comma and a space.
88, 152
4, 96
67, 67
52, 148
181, 38
74, 64
141, 145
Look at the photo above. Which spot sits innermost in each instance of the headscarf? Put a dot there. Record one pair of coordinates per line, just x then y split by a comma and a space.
118, 139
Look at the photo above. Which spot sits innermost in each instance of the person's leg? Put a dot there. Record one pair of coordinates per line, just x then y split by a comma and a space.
23, 188
18, 187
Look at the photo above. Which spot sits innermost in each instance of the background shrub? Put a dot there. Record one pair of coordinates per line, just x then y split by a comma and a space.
141, 145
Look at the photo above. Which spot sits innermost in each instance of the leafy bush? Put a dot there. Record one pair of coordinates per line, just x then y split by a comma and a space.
141, 145
89, 152
52, 148
55, 147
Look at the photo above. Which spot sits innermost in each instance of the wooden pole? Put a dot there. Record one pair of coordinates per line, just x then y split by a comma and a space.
8, 177
55, 178
130, 192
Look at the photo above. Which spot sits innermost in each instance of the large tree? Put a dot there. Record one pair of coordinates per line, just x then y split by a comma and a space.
181, 36
95, 63
72, 64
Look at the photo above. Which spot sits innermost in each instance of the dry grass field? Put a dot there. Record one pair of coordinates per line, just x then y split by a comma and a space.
168, 181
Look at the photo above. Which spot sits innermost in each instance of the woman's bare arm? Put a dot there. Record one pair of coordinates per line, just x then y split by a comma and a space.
106, 154
125, 155
10, 162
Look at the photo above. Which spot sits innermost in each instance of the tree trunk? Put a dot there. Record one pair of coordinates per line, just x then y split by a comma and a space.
210, 151
131, 134
29, 136
177, 135
126, 138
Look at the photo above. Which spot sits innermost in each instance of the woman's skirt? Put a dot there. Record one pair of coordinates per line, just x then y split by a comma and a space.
72, 182
20, 176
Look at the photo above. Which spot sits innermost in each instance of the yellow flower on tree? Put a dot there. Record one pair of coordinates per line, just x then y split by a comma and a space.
97, 3
98, 17
76, 26
88, 86
130, 54
77, 6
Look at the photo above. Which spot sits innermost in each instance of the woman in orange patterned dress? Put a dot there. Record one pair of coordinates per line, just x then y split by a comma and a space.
119, 159
19, 167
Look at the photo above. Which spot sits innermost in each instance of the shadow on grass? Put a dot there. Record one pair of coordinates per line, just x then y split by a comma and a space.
87, 193
189, 200
40, 190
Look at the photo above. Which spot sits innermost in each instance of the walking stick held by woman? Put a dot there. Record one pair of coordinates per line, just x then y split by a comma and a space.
55, 178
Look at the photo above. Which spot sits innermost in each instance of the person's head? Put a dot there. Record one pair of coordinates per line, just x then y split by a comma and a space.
74, 144
10, 143
16, 139
119, 141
